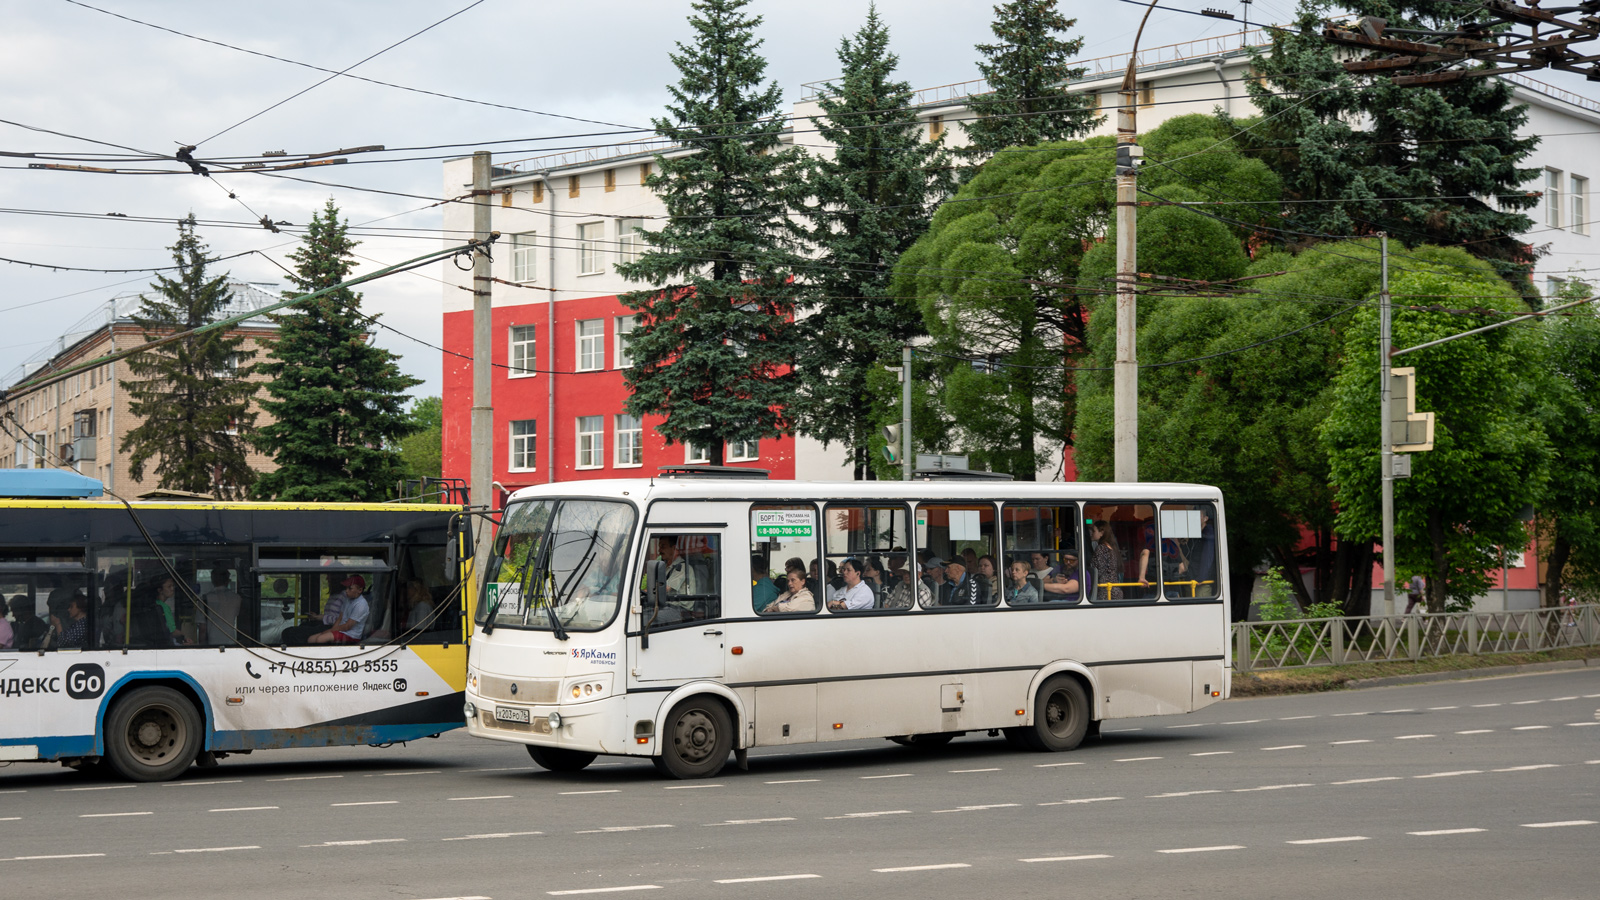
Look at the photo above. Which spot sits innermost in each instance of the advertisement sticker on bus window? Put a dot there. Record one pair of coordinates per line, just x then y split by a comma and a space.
509, 594
783, 523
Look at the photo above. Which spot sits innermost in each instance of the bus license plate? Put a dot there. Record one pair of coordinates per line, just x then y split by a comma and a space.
512, 714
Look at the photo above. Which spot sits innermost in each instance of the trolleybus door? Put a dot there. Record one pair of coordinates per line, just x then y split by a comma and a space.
682, 621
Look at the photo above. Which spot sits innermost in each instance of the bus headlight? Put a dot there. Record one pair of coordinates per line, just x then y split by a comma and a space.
470, 710
555, 721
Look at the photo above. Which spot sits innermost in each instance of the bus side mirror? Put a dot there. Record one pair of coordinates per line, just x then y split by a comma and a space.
655, 586
457, 548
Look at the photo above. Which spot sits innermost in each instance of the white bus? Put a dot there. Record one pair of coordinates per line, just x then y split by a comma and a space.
703, 613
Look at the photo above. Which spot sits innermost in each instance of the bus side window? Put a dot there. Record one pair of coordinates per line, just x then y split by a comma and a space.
694, 576
783, 539
1123, 558
1189, 551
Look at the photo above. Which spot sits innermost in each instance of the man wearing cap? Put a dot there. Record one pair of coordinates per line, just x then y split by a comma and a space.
345, 616
933, 575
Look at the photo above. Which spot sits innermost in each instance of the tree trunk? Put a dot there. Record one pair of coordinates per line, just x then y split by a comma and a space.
1438, 585
1359, 602
1289, 567
1560, 552
714, 452
1241, 583
1339, 578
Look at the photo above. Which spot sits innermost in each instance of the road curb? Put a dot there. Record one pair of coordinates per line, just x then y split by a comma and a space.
1465, 674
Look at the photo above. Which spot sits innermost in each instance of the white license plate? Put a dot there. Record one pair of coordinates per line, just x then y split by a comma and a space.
511, 714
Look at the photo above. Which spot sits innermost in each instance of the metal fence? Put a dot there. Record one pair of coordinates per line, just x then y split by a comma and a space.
1295, 643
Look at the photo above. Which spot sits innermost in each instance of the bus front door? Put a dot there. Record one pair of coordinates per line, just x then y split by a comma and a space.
684, 620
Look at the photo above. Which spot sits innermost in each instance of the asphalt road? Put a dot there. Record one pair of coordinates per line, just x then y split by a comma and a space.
1459, 790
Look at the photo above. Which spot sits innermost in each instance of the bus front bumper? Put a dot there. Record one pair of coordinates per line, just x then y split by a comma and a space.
588, 727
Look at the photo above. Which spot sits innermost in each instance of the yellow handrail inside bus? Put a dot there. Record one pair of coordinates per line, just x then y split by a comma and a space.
1194, 586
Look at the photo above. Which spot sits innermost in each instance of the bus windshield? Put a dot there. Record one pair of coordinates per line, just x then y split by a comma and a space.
560, 556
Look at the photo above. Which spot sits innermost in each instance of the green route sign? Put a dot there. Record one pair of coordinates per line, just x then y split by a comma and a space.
783, 523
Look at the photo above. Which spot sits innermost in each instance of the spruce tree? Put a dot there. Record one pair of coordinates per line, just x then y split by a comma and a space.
713, 346
870, 201
1028, 72
193, 395
1358, 155
338, 401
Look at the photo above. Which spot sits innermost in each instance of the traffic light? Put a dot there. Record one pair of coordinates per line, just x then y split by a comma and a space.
1411, 431
891, 443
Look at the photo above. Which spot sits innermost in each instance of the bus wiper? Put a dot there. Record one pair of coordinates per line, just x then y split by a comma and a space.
542, 578
582, 568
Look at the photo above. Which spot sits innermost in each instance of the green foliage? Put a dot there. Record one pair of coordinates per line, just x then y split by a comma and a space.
715, 335
1569, 410
1490, 454
1027, 71
337, 400
1279, 605
193, 395
1440, 165
869, 202
422, 451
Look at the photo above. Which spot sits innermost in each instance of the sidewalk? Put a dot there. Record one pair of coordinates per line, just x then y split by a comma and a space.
1452, 668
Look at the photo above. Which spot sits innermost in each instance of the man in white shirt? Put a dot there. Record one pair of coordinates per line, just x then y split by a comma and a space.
855, 594
345, 615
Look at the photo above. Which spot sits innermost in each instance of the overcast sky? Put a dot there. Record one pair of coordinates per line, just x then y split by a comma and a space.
84, 73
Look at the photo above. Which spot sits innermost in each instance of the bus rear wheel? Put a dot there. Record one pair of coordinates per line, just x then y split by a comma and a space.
557, 759
152, 734
697, 739
1060, 715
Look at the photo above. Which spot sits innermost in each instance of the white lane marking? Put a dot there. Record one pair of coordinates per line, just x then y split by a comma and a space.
1203, 849
1270, 787
241, 808
1287, 747
868, 815
1138, 758
57, 856
1414, 737
1449, 774
1369, 780
113, 815
108, 787
1066, 858
580, 793
1179, 794
23, 791
1559, 699
1476, 731
1213, 753
1446, 831
749, 821
201, 784
306, 778
1190, 725
1097, 799
1293, 718
764, 878
901, 775
1245, 722
1559, 824
1358, 741
1530, 727
367, 803
615, 828
1342, 715
490, 797
485, 837
1437, 708
1121, 730
1387, 711
1483, 705
606, 890
971, 808
527, 768
965, 771
1590, 696
689, 787
1056, 765
926, 868
1334, 840
460, 898
217, 849
1581, 724
1530, 768
794, 781
395, 774
1592, 762
11, 819
1525, 702
356, 843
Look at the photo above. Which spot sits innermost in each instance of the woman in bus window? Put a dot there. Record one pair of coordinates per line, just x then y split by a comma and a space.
419, 604
1020, 591
798, 598
987, 574
1106, 560
872, 574
854, 594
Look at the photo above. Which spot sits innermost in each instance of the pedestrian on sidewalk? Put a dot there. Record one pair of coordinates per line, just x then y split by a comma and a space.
1417, 592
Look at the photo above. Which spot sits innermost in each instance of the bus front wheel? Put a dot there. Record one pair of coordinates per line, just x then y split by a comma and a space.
152, 734
697, 739
1060, 715
557, 759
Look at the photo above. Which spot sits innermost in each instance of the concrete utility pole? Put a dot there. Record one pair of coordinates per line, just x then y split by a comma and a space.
1125, 373
1386, 428
482, 338
905, 413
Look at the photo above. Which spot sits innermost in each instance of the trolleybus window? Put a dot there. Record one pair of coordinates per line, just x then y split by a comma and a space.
869, 535
1042, 563
46, 590
1120, 542
783, 539
558, 565
955, 541
1189, 551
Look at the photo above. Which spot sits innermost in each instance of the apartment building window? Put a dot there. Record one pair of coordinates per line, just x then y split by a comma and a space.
524, 256
1552, 197
591, 442
524, 439
1147, 95
591, 345
744, 451
935, 127
1552, 287
630, 440
1580, 205
611, 180
625, 327
537, 190
630, 239
590, 257
644, 174
572, 186
524, 354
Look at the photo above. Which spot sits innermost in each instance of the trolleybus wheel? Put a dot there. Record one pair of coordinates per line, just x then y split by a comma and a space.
152, 734
1060, 715
697, 739
557, 759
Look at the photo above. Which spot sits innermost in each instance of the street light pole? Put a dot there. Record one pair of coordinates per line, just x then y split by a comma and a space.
1386, 431
1125, 372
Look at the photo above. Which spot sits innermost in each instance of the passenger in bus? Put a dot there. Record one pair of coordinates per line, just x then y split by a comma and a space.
1061, 586
343, 620
988, 575
970, 557
959, 588
419, 605
8, 637
1020, 591
874, 577
762, 590
30, 632
166, 605
75, 631
680, 575
1203, 557
1105, 559
1042, 568
798, 598
853, 594
217, 620
933, 574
